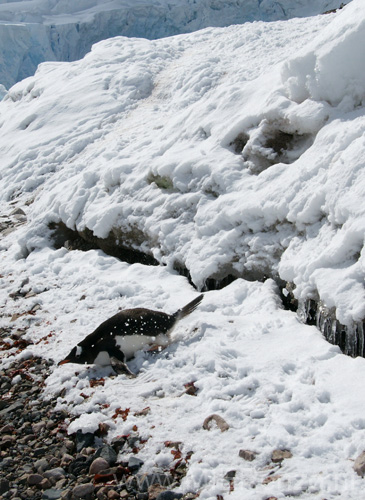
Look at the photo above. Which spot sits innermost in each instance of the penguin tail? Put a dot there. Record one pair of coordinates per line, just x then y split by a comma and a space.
189, 308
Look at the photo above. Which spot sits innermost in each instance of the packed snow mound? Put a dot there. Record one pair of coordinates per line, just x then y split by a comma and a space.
46, 30
225, 152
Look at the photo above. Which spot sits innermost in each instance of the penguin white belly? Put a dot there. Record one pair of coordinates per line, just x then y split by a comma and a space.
130, 344
102, 359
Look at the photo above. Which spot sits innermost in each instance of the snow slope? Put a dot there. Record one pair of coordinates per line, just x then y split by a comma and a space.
44, 30
236, 150
139, 140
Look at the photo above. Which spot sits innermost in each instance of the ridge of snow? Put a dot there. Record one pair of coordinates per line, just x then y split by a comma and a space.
45, 30
91, 139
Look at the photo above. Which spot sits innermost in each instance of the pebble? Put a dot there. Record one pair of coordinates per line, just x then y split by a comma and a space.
57, 473
108, 453
83, 490
247, 455
98, 465
278, 456
52, 494
34, 479
41, 465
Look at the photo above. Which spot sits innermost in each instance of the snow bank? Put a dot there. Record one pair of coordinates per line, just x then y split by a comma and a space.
206, 151
46, 30
276, 382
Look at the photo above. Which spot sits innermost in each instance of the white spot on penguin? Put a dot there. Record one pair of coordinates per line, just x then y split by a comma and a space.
78, 350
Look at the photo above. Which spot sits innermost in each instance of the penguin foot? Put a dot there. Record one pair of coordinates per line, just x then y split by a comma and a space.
121, 368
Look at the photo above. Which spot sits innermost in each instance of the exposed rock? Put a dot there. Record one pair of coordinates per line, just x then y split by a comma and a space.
41, 465
52, 494
215, 421
83, 490
169, 495
36, 465
247, 455
6, 429
230, 475
134, 463
98, 465
359, 465
4, 485
108, 453
278, 456
57, 473
34, 479
83, 440
45, 484
113, 495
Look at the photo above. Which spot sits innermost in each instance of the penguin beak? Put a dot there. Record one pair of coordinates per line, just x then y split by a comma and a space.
63, 362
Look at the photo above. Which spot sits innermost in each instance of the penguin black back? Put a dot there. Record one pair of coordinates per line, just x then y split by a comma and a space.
126, 332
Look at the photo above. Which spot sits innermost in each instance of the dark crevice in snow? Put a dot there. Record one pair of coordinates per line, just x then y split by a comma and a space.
270, 143
85, 240
350, 339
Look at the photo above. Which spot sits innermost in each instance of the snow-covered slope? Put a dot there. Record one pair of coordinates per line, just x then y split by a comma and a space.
45, 30
228, 152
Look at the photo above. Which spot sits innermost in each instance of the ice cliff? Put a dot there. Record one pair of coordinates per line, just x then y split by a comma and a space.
61, 30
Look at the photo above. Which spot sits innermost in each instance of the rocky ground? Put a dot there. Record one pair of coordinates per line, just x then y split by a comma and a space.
40, 460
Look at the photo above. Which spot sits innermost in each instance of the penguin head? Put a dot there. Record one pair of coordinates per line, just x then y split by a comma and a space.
77, 355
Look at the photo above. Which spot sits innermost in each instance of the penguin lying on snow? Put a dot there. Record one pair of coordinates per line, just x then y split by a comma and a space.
126, 332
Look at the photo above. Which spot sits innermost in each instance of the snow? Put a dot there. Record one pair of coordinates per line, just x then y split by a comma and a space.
236, 150
34, 31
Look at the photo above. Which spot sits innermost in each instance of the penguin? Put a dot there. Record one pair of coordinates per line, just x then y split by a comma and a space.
121, 336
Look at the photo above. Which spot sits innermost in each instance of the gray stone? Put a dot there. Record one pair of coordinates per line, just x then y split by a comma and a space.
230, 475
4, 486
34, 479
38, 427
83, 440
98, 465
359, 465
17, 211
57, 473
134, 463
14, 407
52, 494
41, 465
83, 490
108, 453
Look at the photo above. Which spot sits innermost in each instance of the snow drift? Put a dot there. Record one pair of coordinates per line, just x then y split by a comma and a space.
205, 153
